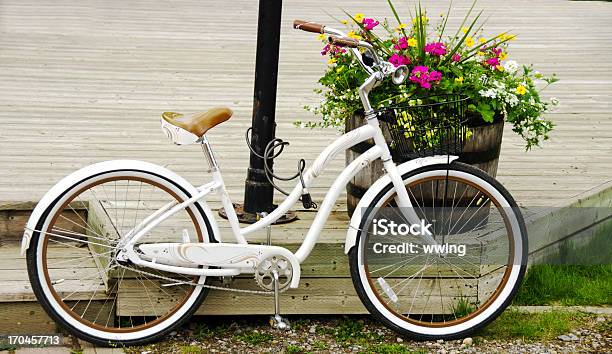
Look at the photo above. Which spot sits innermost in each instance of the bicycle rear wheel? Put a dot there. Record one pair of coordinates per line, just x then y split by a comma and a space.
80, 283
452, 289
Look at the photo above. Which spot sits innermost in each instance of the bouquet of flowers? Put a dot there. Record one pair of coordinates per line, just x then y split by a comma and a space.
463, 61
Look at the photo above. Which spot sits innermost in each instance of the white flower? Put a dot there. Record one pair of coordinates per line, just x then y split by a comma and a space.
302, 125
499, 85
512, 100
511, 66
554, 101
491, 93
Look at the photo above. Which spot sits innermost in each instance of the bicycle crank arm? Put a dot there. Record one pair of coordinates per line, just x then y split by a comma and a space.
228, 257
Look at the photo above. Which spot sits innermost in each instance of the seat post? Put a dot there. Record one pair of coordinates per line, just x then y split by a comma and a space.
208, 154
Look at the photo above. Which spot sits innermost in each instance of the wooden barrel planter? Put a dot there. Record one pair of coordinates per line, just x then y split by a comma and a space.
481, 150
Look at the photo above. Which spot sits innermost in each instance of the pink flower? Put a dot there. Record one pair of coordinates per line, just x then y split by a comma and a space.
420, 75
496, 51
435, 76
334, 50
456, 57
494, 62
398, 60
420, 70
436, 48
325, 50
402, 43
369, 23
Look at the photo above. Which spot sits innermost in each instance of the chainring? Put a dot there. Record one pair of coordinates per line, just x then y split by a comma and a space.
265, 277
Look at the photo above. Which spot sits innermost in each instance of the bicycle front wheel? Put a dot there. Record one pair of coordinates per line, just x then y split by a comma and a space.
455, 285
73, 268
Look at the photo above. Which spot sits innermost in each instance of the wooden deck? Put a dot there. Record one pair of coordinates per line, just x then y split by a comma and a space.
83, 82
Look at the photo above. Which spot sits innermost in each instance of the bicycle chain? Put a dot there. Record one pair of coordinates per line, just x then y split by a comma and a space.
175, 281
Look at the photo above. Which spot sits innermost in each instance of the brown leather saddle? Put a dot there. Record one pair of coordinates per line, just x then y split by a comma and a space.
198, 123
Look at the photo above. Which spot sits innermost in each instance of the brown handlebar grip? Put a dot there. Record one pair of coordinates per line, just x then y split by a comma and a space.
344, 42
308, 26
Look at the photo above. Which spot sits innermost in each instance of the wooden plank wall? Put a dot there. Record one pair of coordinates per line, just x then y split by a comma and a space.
85, 81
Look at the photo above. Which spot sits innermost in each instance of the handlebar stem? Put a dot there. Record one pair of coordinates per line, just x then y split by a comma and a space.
364, 90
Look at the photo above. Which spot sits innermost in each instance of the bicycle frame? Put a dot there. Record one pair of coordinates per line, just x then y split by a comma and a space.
371, 130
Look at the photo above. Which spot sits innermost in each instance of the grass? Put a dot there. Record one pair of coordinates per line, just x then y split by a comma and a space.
254, 338
319, 345
293, 349
348, 331
566, 285
190, 349
385, 348
513, 324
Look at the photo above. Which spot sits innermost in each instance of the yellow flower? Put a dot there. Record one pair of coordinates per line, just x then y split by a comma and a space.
344, 22
499, 67
354, 35
322, 37
412, 42
521, 90
340, 69
459, 80
424, 19
481, 40
507, 37
331, 61
503, 56
469, 41
464, 29
400, 27
359, 17
481, 53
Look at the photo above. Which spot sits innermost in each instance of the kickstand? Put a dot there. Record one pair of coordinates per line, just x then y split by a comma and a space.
277, 321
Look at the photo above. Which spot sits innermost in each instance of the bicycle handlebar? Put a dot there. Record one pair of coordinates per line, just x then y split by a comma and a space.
340, 38
344, 41
308, 26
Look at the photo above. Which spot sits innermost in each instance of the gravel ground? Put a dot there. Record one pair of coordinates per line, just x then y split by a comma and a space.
361, 335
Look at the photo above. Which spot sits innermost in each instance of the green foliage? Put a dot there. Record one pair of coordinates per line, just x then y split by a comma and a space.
319, 345
349, 331
294, 349
254, 338
468, 62
463, 307
533, 326
191, 349
385, 348
567, 285
203, 331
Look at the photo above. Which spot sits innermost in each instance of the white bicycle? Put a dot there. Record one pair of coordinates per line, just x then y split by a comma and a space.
122, 252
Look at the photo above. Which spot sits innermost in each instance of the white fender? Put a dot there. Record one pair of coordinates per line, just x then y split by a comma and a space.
106, 166
382, 182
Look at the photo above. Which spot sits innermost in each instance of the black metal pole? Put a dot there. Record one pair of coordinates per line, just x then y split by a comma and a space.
258, 194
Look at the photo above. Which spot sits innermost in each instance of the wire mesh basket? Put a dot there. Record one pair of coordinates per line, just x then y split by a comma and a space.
427, 126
